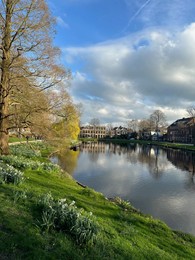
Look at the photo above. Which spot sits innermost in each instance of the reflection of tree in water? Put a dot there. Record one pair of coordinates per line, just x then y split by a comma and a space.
94, 156
156, 161
154, 167
151, 156
190, 183
68, 160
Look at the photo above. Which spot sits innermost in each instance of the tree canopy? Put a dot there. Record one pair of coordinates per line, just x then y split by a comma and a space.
29, 66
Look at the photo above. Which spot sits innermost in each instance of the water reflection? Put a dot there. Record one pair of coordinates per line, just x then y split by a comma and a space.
67, 160
184, 160
158, 181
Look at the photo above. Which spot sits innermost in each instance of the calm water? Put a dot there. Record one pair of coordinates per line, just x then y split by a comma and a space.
157, 181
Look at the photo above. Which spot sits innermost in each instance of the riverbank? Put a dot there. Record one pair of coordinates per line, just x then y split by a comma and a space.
119, 231
181, 146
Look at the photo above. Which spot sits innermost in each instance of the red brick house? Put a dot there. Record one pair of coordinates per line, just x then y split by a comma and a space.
182, 130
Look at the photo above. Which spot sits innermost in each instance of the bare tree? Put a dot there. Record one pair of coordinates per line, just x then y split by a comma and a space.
191, 111
94, 122
26, 51
158, 119
133, 125
144, 125
109, 128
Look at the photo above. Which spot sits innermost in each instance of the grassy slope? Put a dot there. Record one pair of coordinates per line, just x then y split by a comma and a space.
125, 234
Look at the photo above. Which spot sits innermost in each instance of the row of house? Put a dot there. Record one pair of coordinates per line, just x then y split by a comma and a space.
182, 130
90, 131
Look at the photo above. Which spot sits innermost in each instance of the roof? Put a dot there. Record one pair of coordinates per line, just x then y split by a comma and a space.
182, 122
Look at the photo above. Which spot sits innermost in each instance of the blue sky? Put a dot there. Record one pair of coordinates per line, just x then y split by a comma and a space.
128, 57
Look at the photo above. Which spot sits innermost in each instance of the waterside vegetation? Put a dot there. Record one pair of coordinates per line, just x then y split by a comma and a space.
47, 215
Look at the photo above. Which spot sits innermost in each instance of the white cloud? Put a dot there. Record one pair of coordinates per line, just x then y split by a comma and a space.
132, 76
61, 22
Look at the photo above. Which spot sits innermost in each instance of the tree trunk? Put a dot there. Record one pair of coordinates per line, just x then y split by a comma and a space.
4, 134
4, 83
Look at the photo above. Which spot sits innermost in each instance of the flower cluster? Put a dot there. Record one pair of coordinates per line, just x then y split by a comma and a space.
64, 216
23, 163
24, 150
9, 174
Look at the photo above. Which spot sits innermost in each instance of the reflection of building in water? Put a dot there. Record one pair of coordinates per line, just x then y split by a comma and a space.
93, 147
183, 160
92, 131
101, 147
117, 148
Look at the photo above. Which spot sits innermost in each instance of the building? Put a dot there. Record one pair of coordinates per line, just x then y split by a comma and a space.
182, 131
92, 131
118, 131
151, 135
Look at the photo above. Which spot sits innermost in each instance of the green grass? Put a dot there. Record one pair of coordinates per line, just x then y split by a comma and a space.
17, 139
125, 233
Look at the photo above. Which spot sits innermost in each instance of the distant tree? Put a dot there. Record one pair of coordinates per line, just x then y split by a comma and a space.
158, 120
109, 128
144, 125
133, 125
94, 122
191, 111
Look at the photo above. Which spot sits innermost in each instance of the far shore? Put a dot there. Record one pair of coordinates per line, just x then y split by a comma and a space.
183, 146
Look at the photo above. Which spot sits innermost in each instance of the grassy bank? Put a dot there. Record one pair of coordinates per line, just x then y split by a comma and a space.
36, 224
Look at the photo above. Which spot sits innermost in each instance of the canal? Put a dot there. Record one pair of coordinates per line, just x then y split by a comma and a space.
158, 181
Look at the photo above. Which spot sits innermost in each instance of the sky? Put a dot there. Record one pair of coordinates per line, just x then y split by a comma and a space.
128, 57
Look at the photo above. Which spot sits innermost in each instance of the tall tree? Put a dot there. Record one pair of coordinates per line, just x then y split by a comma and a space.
109, 129
66, 118
133, 125
29, 108
95, 122
158, 119
26, 51
144, 127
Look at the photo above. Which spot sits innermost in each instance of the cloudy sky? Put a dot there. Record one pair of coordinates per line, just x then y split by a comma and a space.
128, 57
